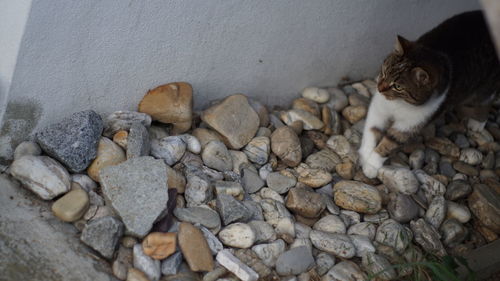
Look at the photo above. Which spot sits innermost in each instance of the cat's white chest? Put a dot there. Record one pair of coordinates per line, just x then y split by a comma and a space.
406, 116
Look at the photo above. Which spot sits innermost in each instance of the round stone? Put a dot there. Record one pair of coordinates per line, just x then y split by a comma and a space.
316, 94
334, 243
71, 206
238, 235
331, 224
357, 196
108, 154
286, 145
159, 245
216, 156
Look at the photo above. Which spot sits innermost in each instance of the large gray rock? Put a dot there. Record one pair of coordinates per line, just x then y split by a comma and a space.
103, 235
204, 216
42, 175
36, 246
73, 141
137, 190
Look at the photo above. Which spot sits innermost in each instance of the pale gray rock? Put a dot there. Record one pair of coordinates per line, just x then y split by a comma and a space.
72, 141
103, 235
377, 265
273, 211
233, 264
42, 175
267, 193
338, 99
345, 270
324, 262
392, 233
84, 181
378, 218
264, 171
430, 185
123, 120
255, 210
171, 265
27, 148
216, 156
171, 149
199, 189
231, 210
257, 150
202, 215
270, 252
156, 132
398, 179
402, 207
294, 261
331, 224
362, 244
300, 242
350, 217
136, 188
213, 242
280, 183
264, 232
334, 243
193, 145
150, 267
367, 229
427, 237
138, 143
302, 230
436, 212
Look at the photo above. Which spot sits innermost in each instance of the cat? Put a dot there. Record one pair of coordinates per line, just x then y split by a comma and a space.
452, 67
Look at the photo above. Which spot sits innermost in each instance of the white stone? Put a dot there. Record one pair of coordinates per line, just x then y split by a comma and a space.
362, 245
192, 143
310, 121
285, 226
42, 175
238, 235
233, 264
171, 149
457, 211
367, 229
316, 94
333, 243
84, 181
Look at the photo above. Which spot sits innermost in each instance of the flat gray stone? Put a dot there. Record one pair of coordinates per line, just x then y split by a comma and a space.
204, 216
294, 261
232, 210
213, 242
150, 267
216, 156
333, 243
251, 181
123, 120
138, 141
73, 141
103, 235
171, 265
137, 190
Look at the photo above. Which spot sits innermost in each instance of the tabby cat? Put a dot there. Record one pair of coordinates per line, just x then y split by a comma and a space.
452, 67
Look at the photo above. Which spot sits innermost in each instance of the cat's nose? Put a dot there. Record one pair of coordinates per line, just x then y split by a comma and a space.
383, 86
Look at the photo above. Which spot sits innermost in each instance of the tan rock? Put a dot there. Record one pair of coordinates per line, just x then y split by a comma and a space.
354, 113
297, 127
176, 179
134, 274
311, 122
444, 146
120, 138
72, 206
170, 103
313, 177
195, 248
206, 135
286, 145
305, 203
159, 245
346, 170
357, 196
108, 154
484, 203
234, 119
307, 105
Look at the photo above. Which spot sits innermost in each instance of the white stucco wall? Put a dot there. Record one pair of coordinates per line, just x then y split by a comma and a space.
105, 55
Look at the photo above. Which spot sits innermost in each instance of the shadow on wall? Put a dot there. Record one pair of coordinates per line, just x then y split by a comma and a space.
19, 120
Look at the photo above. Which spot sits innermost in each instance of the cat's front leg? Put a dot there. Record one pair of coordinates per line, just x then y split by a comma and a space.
376, 121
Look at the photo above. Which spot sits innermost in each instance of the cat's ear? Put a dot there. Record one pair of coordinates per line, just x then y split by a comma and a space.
402, 45
420, 76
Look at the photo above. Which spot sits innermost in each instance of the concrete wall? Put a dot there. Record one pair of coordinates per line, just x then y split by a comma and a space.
105, 55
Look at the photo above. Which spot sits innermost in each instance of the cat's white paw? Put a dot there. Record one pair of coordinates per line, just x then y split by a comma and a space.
372, 164
475, 126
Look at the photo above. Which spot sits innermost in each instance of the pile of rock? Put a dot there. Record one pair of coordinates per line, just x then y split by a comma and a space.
238, 192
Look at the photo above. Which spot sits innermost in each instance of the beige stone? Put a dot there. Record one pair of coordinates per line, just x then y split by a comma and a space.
311, 122
286, 145
120, 138
346, 170
159, 245
134, 274
484, 203
313, 177
72, 205
171, 104
234, 119
176, 179
195, 248
444, 146
305, 203
205, 136
108, 154
354, 113
357, 196
307, 105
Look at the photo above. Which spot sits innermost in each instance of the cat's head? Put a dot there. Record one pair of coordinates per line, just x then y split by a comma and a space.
409, 73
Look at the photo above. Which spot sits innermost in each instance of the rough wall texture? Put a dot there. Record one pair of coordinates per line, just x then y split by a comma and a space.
105, 55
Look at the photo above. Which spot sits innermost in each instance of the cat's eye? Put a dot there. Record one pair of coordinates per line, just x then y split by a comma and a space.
397, 87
